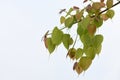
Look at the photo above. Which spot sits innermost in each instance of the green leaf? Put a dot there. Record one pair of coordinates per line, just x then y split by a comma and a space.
80, 29
90, 52
79, 53
85, 62
57, 36
98, 39
109, 3
50, 45
66, 38
69, 22
86, 40
98, 49
62, 19
85, 22
98, 22
110, 13
70, 10
70, 41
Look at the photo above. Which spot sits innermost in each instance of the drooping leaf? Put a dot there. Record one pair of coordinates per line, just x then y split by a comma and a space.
79, 53
79, 15
85, 22
67, 41
91, 29
110, 13
102, 1
77, 68
71, 53
81, 30
98, 22
85, 62
70, 41
98, 39
90, 52
57, 36
104, 17
62, 19
50, 45
69, 22
70, 10
98, 49
109, 3
86, 40
96, 5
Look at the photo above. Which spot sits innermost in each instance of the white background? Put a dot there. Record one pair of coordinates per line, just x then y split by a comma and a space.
24, 57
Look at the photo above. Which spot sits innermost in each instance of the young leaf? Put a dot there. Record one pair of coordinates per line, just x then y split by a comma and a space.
79, 53
50, 45
109, 3
110, 13
69, 22
57, 36
85, 62
85, 22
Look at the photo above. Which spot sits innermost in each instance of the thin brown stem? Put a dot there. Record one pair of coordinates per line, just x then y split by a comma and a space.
109, 8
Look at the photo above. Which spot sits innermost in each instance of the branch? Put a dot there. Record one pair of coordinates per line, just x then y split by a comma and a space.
109, 8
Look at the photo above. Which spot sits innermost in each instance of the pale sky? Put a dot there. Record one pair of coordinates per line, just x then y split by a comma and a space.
24, 57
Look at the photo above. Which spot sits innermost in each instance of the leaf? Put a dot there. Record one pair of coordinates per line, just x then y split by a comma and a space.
85, 22
70, 10
98, 39
104, 17
70, 41
101, 0
79, 53
90, 52
79, 15
50, 45
57, 36
96, 5
91, 29
80, 29
98, 49
66, 40
109, 3
98, 22
85, 62
77, 68
110, 13
62, 19
69, 22
86, 40
72, 53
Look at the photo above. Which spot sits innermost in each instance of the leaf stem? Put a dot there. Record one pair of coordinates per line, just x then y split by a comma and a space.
75, 41
109, 8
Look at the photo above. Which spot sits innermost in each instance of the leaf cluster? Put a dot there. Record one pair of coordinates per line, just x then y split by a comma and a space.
88, 20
